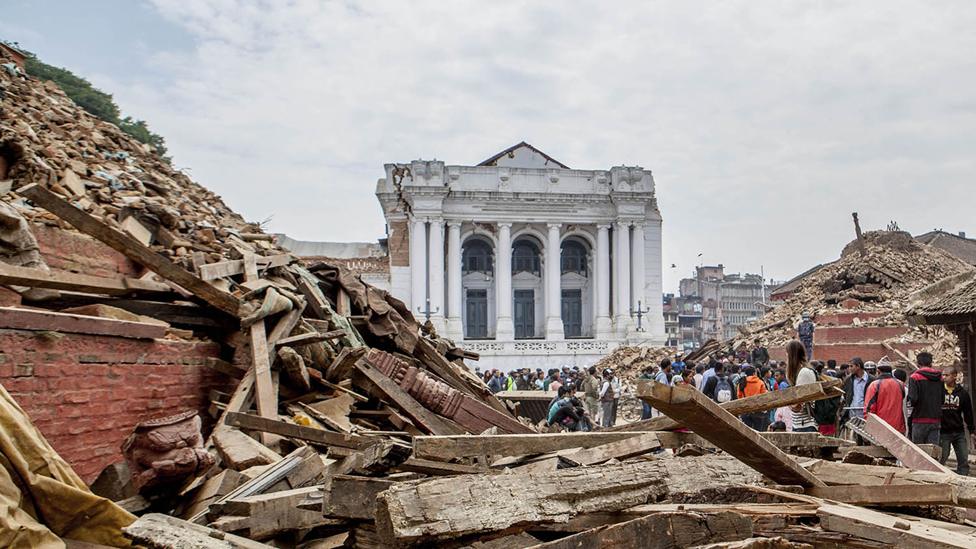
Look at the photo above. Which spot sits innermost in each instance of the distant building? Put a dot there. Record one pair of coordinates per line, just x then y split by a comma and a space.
671, 331
713, 305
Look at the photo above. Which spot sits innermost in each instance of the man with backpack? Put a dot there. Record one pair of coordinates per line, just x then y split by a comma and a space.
752, 385
804, 332
718, 387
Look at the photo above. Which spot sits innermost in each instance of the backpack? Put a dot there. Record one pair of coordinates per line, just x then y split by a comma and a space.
723, 390
824, 411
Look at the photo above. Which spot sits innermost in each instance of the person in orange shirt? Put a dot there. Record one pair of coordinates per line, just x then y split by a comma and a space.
752, 385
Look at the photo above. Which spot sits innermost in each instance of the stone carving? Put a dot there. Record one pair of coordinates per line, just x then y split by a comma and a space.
161, 452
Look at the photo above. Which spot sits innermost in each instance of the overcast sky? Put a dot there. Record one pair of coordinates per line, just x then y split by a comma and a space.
766, 123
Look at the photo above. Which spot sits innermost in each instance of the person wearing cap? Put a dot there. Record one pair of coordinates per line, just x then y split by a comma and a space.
606, 399
804, 332
885, 397
855, 387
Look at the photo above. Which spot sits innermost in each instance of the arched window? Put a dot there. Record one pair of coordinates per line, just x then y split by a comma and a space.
477, 257
573, 259
525, 257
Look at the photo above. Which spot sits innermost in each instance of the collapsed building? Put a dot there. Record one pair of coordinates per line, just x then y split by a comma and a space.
233, 397
859, 303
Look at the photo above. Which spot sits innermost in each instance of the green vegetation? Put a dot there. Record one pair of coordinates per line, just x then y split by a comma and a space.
96, 102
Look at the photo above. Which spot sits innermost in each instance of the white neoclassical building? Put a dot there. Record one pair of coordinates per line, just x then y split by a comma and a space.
524, 260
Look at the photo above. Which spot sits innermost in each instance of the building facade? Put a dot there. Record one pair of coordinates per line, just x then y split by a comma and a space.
524, 260
713, 305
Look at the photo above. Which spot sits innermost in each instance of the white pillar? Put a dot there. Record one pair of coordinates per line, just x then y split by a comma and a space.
554, 320
454, 298
436, 273
603, 330
621, 249
418, 267
637, 273
504, 328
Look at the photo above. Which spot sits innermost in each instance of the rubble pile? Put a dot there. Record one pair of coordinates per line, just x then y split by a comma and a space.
346, 426
628, 362
875, 287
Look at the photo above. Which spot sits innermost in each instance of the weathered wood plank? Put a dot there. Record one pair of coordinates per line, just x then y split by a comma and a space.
239, 451
903, 449
32, 319
213, 271
165, 532
130, 247
718, 426
620, 450
842, 474
892, 495
459, 446
446, 508
887, 529
661, 531
290, 430
265, 393
758, 403
74, 282
352, 497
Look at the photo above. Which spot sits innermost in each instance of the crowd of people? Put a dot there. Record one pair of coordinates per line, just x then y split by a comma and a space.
929, 406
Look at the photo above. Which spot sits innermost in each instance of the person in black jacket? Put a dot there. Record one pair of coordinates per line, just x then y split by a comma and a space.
957, 418
925, 397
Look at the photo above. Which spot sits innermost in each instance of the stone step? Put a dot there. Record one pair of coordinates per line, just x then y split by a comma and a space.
856, 334
844, 352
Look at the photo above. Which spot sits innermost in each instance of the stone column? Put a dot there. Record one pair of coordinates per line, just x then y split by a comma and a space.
436, 273
637, 273
621, 249
554, 320
455, 330
504, 328
418, 266
603, 329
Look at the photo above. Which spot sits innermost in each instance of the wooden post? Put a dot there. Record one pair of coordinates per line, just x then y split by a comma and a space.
910, 455
267, 397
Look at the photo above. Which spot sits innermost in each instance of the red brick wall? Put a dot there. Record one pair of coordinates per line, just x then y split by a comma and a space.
80, 253
86, 393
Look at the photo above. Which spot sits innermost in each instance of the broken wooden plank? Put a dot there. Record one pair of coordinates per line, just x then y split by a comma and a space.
213, 271
842, 474
74, 282
291, 430
130, 247
265, 393
272, 513
883, 453
446, 448
903, 449
164, 532
892, 495
308, 285
895, 532
333, 412
661, 531
434, 510
309, 338
437, 468
710, 421
352, 497
420, 416
239, 451
620, 450
39, 320
759, 403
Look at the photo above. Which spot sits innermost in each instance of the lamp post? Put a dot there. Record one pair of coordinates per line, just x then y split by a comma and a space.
639, 313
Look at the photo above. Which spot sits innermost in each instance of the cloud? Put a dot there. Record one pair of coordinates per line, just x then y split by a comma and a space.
765, 123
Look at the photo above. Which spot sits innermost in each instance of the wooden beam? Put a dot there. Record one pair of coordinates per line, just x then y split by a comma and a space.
239, 451
891, 495
32, 319
622, 449
266, 395
903, 449
439, 364
446, 448
309, 338
166, 532
759, 403
661, 531
895, 532
250, 422
715, 424
213, 271
308, 285
836, 473
74, 282
437, 468
434, 510
420, 416
352, 497
130, 247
